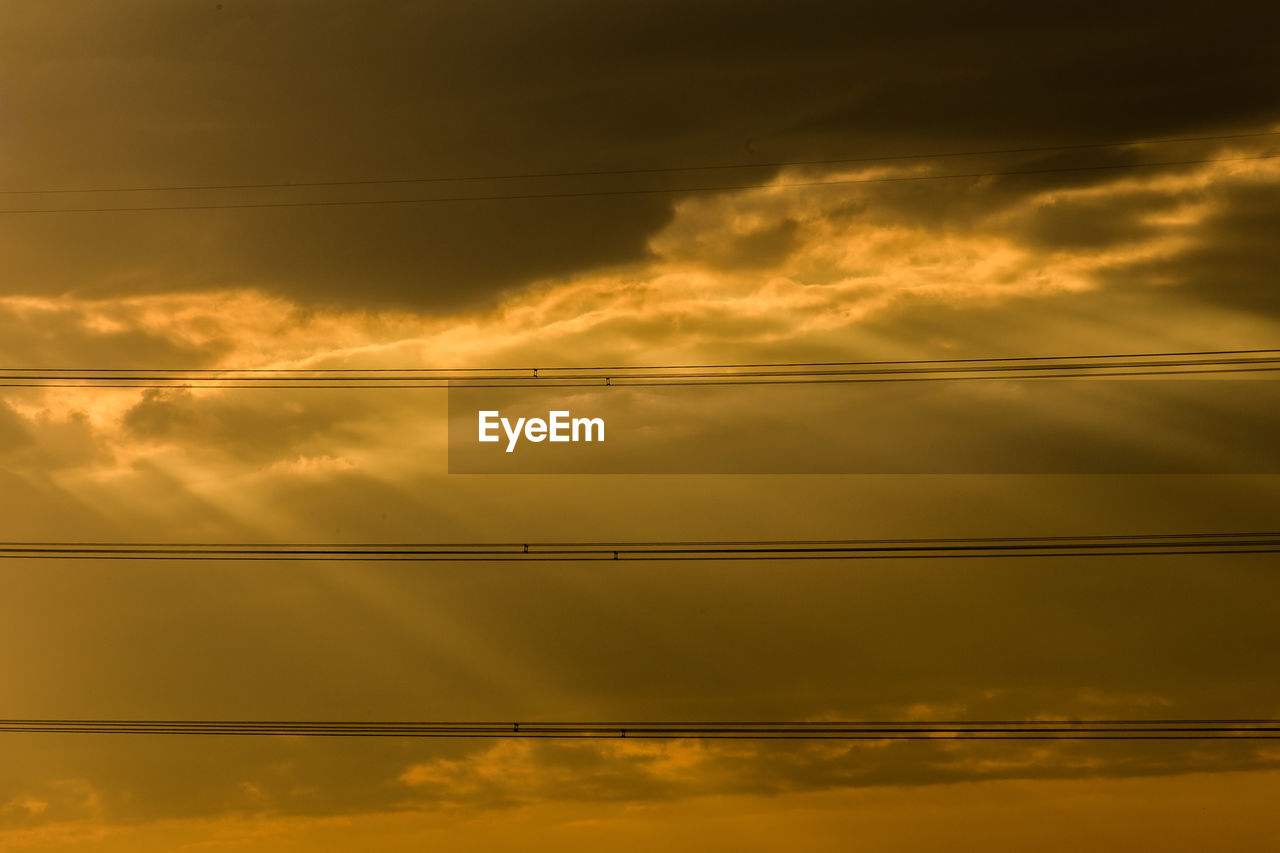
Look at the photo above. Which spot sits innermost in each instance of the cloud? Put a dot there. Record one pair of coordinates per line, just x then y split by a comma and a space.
194, 95
13, 430
1182, 813
1231, 259
151, 93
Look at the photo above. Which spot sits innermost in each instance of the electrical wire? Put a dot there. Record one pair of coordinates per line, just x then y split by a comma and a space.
633, 192
798, 373
653, 170
904, 730
845, 549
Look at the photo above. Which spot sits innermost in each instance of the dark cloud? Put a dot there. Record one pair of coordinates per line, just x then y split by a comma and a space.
13, 430
151, 93
1094, 223
252, 427
756, 249
1233, 256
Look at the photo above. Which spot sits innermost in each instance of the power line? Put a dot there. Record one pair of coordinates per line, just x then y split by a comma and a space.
904, 730
793, 373
718, 543
631, 192
1181, 353
655, 170
842, 549
739, 371
606, 382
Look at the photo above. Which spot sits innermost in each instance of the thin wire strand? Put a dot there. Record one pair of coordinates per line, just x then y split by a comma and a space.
914, 730
1108, 546
224, 370
672, 543
633, 192
612, 382
735, 372
795, 373
654, 170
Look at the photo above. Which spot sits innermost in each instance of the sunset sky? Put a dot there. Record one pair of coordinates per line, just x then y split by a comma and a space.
1045, 242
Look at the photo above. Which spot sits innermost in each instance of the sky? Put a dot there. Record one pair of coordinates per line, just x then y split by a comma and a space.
1047, 241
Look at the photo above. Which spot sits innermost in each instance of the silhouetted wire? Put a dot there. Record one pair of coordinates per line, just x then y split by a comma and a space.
726, 365
1109, 546
623, 383
671, 543
719, 723
737, 372
634, 192
653, 170
638, 557
1136, 537
904, 730
1171, 364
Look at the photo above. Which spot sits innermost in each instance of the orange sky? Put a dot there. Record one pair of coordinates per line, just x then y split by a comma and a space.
1069, 258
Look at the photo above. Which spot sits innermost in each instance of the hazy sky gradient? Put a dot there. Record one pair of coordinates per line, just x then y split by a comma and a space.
1156, 258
